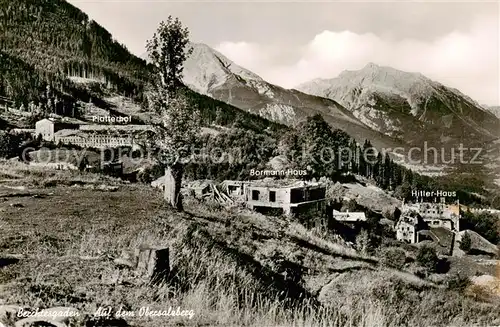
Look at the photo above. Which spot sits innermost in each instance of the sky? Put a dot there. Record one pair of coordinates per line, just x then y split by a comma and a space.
289, 43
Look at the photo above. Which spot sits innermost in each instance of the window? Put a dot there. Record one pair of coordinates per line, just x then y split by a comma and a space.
272, 196
255, 195
296, 196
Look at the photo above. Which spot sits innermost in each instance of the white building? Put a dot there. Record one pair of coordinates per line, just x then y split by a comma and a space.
55, 165
407, 229
86, 135
349, 216
49, 126
92, 139
22, 131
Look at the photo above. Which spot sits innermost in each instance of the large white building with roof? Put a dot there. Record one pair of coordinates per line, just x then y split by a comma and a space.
87, 135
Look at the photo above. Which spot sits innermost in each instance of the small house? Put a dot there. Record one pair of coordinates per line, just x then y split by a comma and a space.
351, 217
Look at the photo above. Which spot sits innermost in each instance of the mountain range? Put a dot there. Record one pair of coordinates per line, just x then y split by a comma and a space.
209, 72
494, 110
389, 107
409, 106
398, 105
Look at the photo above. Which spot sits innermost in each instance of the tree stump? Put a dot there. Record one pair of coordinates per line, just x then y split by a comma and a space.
173, 180
153, 264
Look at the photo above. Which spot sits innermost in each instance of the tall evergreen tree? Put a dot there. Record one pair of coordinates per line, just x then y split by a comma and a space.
387, 172
370, 156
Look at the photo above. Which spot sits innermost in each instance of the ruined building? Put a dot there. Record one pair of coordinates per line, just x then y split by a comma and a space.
437, 214
427, 216
289, 196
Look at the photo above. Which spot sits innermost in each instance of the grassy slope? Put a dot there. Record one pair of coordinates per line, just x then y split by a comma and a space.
231, 267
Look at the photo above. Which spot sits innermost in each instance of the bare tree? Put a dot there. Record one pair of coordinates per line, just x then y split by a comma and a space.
180, 122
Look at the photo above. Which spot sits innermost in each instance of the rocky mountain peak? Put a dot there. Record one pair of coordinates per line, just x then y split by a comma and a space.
207, 68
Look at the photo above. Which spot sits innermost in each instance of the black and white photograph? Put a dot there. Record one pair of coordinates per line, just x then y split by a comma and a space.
249, 163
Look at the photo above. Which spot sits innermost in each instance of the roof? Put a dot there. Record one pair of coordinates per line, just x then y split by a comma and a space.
78, 132
45, 120
283, 183
68, 132
127, 128
349, 216
63, 120
20, 130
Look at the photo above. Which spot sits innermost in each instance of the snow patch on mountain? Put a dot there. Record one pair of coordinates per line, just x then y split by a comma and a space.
426, 170
83, 80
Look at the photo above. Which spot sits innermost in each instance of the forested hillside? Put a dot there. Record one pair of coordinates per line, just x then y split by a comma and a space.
50, 40
48, 46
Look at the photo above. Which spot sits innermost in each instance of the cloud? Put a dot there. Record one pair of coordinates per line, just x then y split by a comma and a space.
466, 60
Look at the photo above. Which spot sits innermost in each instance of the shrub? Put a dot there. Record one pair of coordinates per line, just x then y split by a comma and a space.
393, 257
143, 176
350, 206
149, 174
427, 258
9, 145
363, 242
485, 224
466, 243
458, 283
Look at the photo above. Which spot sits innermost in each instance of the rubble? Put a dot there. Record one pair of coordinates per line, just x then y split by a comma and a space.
207, 190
